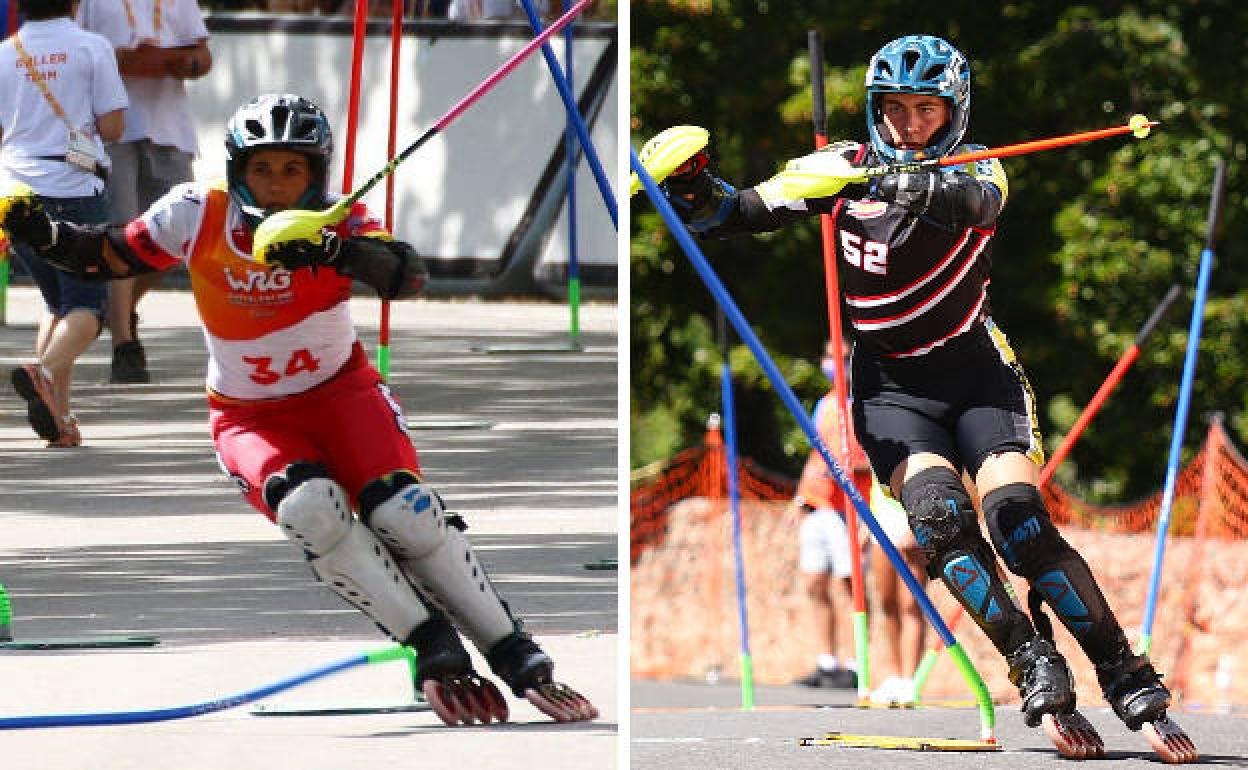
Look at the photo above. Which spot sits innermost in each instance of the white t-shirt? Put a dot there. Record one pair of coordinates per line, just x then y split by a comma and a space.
160, 109
80, 70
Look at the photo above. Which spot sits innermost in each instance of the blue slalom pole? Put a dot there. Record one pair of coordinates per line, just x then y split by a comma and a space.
197, 709
987, 714
742, 327
574, 114
734, 502
574, 269
1185, 401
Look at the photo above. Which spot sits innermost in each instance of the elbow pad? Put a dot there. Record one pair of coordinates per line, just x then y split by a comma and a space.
94, 253
393, 268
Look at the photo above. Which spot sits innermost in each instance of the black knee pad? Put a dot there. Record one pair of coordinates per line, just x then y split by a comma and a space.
1022, 531
945, 525
1033, 548
280, 484
380, 490
940, 514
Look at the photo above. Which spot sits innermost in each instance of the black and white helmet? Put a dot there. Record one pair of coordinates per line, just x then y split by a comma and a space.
277, 122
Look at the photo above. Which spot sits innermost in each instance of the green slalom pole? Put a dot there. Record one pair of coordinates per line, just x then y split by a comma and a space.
4, 284
383, 360
6, 616
780, 385
987, 714
924, 670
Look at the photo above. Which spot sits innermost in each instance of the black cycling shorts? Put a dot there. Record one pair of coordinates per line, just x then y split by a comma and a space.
964, 401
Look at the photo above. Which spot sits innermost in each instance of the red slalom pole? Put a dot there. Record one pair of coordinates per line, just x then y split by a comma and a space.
358, 29
827, 224
396, 43
1107, 387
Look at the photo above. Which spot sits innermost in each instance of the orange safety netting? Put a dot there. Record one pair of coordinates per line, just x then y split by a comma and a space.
696, 472
682, 570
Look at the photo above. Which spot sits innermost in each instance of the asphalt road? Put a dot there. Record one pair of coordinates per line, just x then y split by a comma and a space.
702, 726
138, 532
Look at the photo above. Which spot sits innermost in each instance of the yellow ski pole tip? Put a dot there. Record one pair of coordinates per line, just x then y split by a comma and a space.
1140, 126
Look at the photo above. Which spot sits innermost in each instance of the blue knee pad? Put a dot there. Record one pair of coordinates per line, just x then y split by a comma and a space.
1034, 549
947, 530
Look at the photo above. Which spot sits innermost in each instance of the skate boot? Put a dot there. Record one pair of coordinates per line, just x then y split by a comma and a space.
446, 677
529, 672
1134, 690
1043, 679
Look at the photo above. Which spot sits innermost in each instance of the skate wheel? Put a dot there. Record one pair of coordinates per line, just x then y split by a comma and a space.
484, 700
1169, 741
494, 701
561, 703
1073, 736
445, 703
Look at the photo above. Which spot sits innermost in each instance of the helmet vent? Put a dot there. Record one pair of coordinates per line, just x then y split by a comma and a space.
909, 59
281, 119
933, 72
307, 130
254, 128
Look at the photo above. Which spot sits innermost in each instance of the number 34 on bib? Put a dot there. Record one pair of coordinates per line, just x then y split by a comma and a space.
263, 373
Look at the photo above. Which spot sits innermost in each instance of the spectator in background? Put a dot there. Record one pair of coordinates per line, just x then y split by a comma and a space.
60, 95
900, 621
825, 546
159, 45
468, 10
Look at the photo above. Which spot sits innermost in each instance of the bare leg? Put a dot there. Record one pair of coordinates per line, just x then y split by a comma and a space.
66, 342
824, 610
122, 297
887, 587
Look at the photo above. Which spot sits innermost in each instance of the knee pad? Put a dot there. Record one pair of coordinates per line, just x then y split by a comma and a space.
945, 526
313, 511
1022, 531
1033, 548
409, 517
940, 514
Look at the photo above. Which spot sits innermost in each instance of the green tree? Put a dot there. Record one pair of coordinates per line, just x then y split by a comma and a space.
1090, 241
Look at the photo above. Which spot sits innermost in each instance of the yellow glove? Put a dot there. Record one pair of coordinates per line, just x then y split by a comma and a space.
821, 174
668, 151
284, 227
23, 217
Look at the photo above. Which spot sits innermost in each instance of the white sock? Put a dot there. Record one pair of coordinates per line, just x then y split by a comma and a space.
826, 662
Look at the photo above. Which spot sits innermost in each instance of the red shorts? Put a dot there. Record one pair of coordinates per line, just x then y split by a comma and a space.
351, 424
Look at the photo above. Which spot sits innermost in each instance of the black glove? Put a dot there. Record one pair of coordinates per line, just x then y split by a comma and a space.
296, 254
914, 191
26, 221
691, 188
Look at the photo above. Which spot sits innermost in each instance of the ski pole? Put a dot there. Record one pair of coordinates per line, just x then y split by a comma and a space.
1138, 126
1185, 401
300, 224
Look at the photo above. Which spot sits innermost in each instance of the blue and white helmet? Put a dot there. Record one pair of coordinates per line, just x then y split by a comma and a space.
277, 122
919, 64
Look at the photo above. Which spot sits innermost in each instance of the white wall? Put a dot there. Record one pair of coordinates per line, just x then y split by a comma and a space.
463, 193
